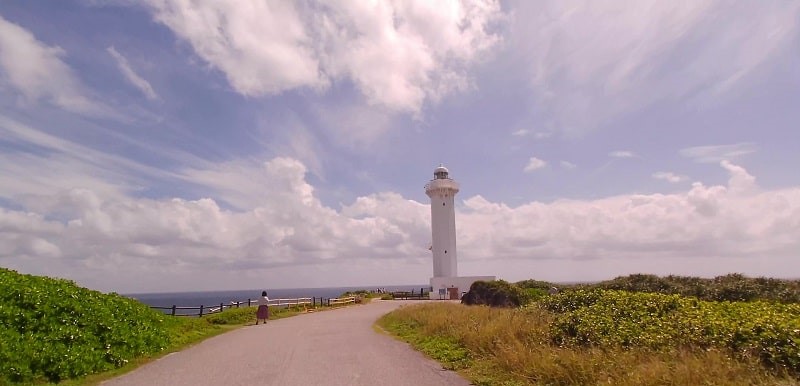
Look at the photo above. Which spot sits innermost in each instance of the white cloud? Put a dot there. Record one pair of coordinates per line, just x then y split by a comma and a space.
37, 72
399, 54
591, 61
705, 222
669, 176
131, 76
622, 154
568, 165
521, 133
718, 153
534, 164
287, 226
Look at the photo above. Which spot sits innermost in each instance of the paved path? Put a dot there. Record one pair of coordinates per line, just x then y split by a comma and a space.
337, 347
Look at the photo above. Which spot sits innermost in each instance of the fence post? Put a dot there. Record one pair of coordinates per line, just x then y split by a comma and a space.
173, 310
313, 302
221, 307
248, 302
201, 310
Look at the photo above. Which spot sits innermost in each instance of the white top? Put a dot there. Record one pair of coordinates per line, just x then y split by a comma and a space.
263, 301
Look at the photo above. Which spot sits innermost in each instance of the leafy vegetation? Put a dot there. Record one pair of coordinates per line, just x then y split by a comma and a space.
497, 293
53, 330
731, 287
638, 329
514, 346
767, 331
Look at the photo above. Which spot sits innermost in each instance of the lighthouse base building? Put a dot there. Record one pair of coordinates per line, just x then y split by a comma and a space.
454, 287
445, 283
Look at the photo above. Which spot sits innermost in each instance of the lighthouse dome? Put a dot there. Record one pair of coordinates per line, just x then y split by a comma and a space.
440, 172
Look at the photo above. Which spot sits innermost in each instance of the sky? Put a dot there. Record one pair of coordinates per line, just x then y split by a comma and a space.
176, 145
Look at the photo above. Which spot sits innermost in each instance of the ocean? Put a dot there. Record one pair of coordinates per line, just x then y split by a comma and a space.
212, 298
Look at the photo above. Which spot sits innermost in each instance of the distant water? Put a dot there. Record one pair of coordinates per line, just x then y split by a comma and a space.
211, 298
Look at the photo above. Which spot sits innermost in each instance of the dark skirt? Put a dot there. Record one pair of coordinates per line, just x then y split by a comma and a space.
263, 312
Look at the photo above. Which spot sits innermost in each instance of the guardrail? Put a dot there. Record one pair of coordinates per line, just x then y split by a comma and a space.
410, 295
212, 309
339, 301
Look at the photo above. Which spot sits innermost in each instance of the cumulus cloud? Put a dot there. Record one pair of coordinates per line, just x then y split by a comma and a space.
37, 71
669, 176
534, 164
592, 61
398, 54
705, 222
284, 224
568, 165
288, 226
131, 76
718, 153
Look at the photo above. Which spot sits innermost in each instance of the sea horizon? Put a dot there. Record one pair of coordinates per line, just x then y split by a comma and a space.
211, 297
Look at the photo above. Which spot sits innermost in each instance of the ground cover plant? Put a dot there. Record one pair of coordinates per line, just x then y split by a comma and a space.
52, 330
767, 331
731, 287
502, 346
585, 336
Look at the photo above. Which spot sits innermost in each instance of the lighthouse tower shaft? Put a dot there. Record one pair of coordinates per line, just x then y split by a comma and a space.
442, 191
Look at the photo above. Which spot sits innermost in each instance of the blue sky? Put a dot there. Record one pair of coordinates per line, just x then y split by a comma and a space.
162, 145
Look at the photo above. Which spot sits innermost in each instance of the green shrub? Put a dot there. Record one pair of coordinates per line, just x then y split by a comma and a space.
511, 346
53, 330
496, 293
597, 318
731, 287
535, 294
535, 284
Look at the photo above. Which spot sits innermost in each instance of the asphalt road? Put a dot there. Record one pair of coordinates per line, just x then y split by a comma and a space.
337, 347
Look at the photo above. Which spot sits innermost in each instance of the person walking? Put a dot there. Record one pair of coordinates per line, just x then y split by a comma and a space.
263, 308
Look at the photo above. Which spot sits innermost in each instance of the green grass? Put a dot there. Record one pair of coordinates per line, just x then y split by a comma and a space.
516, 347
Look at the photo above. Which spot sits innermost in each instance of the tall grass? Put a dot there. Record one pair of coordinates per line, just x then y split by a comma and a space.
513, 347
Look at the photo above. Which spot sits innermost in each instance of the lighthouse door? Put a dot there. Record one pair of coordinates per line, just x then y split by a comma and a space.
453, 292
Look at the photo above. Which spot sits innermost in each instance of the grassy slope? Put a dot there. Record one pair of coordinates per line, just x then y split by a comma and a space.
513, 347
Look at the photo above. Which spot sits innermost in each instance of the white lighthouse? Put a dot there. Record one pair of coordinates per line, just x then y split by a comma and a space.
442, 191
445, 283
